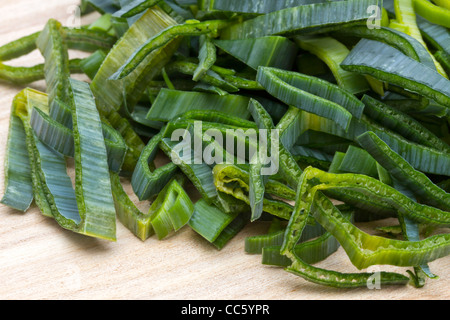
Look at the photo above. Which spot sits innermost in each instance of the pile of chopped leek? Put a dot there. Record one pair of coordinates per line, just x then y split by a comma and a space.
355, 93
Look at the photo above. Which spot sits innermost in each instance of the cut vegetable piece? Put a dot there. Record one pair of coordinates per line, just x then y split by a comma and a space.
333, 52
207, 57
258, 6
92, 64
18, 182
93, 184
88, 40
19, 47
60, 138
163, 38
429, 11
388, 64
311, 94
209, 221
231, 230
365, 250
357, 160
183, 101
277, 52
135, 7
171, 210
57, 73
401, 170
146, 183
302, 18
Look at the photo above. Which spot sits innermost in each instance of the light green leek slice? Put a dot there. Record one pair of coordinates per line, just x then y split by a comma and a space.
135, 7
183, 101
311, 94
171, 210
438, 36
255, 52
302, 18
145, 182
258, 6
18, 182
388, 64
333, 52
93, 184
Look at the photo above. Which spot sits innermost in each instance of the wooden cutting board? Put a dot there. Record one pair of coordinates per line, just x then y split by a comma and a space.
40, 260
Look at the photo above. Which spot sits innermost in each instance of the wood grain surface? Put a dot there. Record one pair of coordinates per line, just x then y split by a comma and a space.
40, 260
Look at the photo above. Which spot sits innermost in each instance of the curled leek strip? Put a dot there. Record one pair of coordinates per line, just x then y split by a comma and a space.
135, 7
429, 11
207, 57
146, 183
163, 38
373, 187
171, 210
299, 267
311, 94
400, 169
93, 184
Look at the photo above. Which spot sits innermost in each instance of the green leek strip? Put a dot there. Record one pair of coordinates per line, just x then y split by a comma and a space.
93, 185
207, 57
163, 38
333, 52
219, 117
357, 160
310, 252
307, 156
60, 138
365, 250
420, 157
55, 52
81, 39
146, 183
293, 233
436, 35
311, 94
302, 18
19, 47
444, 59
405, 125
400, 169
399, 40
21, 108
18, 182
209, 221
388, 64
258, 6
27, 75
256, 244
429, 11
442, 3
171, 210
406, 22
210, 77
253, 52
89, 40
104, 6
183, 101
92, 64
135, 7
403, 204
